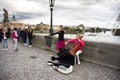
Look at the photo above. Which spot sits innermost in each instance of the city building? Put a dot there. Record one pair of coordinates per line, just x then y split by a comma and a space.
42, 26
14, 23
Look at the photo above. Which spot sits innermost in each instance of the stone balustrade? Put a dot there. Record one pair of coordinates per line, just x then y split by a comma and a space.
101, 53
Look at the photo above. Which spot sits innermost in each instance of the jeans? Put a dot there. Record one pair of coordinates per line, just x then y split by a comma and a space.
5, 43
28, 41
15, 43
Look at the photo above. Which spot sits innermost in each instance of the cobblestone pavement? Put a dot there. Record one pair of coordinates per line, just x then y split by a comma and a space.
31, 64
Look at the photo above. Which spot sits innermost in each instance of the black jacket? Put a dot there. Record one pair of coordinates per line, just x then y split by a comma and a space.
60, 35
30, 34
6, 33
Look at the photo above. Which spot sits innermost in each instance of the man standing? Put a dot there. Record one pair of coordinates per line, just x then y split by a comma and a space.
30, 34
0, 34
9, 32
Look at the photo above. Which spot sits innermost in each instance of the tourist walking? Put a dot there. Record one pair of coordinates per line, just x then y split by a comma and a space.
26, 37
60, 42
0, 34
4, 35
30, 34
19, 32
23, 35
9, 32
15, 39
77, 48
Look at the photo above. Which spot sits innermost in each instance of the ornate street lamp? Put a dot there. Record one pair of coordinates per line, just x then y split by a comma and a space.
51, 4
48, 39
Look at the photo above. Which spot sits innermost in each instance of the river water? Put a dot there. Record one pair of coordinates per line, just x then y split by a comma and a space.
96, 37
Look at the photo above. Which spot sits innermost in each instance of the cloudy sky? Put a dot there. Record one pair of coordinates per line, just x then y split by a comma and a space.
66, 12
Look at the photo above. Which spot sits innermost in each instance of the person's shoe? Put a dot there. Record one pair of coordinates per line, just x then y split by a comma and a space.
6, 49
54, 67
16, 50
30, 45
78, 63
50, 63
3, 49
25, 44
53, 58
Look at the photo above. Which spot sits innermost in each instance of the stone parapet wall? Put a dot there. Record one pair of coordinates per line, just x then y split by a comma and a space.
100, 53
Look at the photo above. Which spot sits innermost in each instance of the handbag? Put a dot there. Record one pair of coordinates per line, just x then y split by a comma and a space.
75, 48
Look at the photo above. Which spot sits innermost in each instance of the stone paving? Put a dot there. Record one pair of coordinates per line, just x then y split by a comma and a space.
31, 64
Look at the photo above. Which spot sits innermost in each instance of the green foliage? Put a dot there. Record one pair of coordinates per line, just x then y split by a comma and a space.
78, 30
92, 30
98, 30
66, 29
117, 32
73, 30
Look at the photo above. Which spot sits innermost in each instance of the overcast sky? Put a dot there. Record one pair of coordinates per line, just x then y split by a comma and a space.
66, 12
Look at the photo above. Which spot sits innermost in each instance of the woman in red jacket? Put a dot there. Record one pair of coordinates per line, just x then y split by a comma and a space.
15, 39
78, 40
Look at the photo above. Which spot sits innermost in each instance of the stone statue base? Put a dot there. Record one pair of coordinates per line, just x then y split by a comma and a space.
6, 24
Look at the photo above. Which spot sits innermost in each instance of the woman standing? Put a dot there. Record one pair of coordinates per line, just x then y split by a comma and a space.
15, 38
4, 39
78, 40
60, 42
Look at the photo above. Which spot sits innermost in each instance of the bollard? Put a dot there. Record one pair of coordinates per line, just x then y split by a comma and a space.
48, 41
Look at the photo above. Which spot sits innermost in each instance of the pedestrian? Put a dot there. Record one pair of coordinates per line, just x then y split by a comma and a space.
60, 42
4, 39
23, 35
26, 37
30, 34
19, 31
15, 39
9, 32
0, 34
80, 44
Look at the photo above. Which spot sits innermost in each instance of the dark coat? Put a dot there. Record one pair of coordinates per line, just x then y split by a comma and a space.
30, 34
2, 34
60, 35
64, 57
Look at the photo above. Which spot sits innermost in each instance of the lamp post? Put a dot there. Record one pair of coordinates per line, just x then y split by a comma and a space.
51, 4
48, 39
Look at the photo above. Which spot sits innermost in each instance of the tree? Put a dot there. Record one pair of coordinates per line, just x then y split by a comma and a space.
92, 30
117, 33
82, 28
66, 29
78, 30
98, 30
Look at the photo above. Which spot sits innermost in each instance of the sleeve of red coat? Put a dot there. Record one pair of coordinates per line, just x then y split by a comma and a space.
72, 40
82, 42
